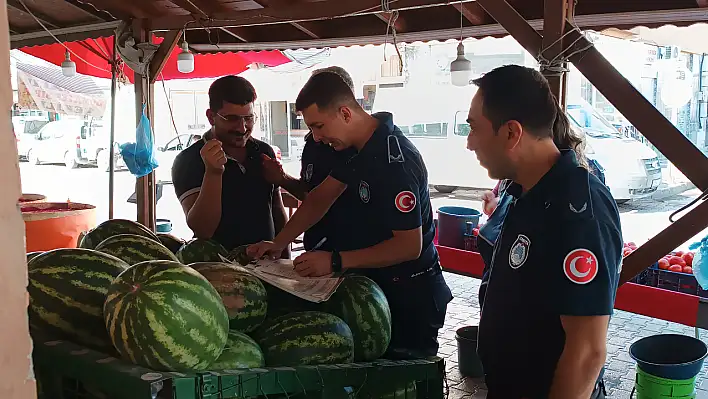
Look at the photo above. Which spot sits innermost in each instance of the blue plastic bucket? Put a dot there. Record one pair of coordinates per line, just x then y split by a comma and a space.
669, 356
452, 225
163, 225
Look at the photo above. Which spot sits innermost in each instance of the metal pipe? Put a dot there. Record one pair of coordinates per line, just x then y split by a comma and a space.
111, 148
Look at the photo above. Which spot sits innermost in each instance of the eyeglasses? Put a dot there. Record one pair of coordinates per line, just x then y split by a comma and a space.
247, 119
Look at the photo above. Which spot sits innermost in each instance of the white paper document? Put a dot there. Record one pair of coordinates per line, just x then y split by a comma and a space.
282, 274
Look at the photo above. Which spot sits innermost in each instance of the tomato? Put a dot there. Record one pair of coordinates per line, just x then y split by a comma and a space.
678, 253
688, 269
676, 268
663, 264
688, 258
676, 260
626, 252
632, 245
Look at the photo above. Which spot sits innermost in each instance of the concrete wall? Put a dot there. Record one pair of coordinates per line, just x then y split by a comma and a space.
17, 380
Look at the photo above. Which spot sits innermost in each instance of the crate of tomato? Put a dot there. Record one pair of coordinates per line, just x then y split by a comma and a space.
673, 272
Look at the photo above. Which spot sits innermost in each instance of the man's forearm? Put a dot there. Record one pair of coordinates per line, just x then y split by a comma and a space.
387, 253
204, 216
577, 372
294, 186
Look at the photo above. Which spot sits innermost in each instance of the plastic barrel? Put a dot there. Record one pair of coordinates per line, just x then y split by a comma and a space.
667, 365
52, 225
452, 225
467, 358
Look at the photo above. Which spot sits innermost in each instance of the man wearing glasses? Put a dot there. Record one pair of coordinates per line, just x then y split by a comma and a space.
219, 179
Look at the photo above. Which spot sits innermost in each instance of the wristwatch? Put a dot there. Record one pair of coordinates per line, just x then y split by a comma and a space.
336, 262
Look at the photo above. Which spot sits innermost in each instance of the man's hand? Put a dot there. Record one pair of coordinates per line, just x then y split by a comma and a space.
265, 248
272, 170
314, 264
213, 156
489, 202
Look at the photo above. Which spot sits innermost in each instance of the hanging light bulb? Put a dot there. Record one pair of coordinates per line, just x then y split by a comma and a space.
68, 67
185, 59
461, 68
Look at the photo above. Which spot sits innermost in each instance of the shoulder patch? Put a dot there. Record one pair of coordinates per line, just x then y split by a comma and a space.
580, 266
405, 201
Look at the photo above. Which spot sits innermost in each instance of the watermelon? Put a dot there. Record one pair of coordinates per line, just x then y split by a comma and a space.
173, 243
135, 249
399, 391
244, 296
306, 338
361, 303
113, 227
67, 288
32, 255
240, 256
165, 316
198, 250
241, 352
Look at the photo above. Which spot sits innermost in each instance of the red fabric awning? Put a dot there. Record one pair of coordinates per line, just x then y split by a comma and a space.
94, 62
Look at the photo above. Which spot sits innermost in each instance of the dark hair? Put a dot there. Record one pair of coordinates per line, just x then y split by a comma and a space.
230, 89
514, 92
326, 90
346, 77
565, 137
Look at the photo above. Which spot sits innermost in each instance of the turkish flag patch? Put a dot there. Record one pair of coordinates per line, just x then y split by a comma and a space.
405, 201
580, 266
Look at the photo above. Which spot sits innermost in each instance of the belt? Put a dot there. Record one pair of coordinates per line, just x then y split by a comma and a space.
431, 271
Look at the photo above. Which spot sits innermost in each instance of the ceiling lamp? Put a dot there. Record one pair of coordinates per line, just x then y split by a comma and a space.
185, 59
461, 68
68, 67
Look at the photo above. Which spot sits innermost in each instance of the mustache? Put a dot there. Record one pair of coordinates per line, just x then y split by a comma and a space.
237, 133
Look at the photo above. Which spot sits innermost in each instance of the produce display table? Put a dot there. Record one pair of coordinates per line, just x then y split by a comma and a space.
676, 307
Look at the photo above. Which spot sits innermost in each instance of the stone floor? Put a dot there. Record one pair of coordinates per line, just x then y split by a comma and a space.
625, 328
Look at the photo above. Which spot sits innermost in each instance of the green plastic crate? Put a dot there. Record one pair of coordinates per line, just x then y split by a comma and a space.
67, 371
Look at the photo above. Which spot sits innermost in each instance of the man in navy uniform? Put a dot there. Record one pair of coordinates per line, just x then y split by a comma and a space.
318, 160
393, 220
555, 266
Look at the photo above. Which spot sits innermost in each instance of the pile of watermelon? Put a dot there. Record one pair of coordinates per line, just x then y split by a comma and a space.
170, 305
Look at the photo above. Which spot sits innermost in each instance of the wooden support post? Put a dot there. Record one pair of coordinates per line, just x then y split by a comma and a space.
144, 94
640, 112
554, 13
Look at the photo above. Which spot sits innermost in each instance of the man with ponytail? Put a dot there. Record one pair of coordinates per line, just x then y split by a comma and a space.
555, 252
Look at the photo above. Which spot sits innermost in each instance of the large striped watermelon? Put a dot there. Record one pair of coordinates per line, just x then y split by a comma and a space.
135, 249
240, 256
31, 255
244, 295
361, 303
67, 288
166, 316
241, 352
173, 243
113, 227
306, 338
198, 250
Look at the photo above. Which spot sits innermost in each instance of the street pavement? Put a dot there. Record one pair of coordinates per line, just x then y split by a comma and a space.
641, 220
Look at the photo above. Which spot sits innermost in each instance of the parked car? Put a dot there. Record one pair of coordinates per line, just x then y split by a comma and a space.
25, 132
70, 141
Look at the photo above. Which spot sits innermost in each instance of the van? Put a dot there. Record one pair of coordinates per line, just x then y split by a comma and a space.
631, 168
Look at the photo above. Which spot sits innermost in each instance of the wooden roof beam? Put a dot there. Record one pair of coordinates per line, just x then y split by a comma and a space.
163, 53
237, 33
44, 19
88, 9
472, 12
399, 23
555, 13
309, 29
199, 8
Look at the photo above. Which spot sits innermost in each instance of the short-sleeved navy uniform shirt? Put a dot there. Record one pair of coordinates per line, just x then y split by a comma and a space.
559, 253
318, 160
391, 187
246, 197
